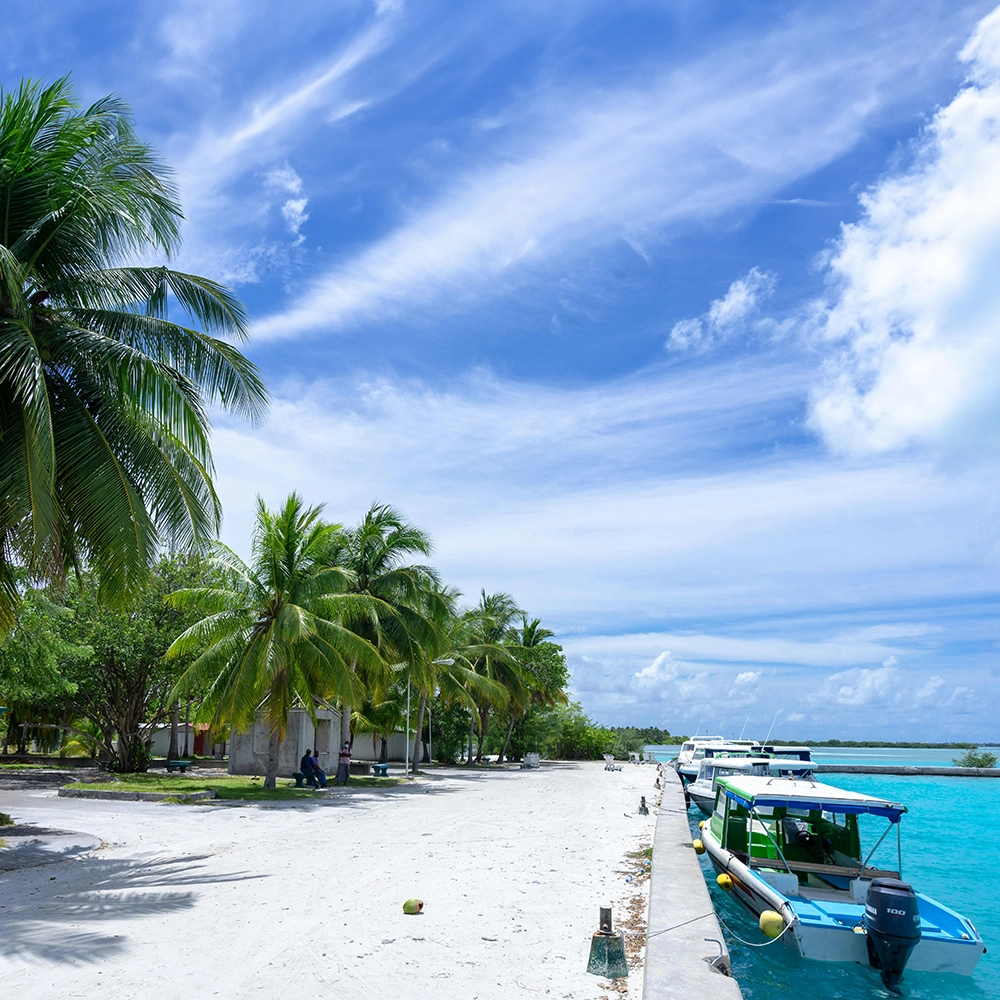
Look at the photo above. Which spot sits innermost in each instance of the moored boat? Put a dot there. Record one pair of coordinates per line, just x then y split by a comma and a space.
791, 853
694, 751
701, 791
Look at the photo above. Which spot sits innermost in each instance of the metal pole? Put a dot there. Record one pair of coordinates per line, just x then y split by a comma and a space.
430, 735
406, 766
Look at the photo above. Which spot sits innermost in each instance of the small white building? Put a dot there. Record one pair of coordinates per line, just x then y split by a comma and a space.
248, 751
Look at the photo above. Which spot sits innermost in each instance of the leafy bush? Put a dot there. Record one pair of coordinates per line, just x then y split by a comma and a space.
5, 820
976, 758
580, 738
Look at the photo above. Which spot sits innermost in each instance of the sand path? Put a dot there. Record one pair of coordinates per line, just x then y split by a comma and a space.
305, 900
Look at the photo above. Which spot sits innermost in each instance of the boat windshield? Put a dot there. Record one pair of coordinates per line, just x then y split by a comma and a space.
810, 836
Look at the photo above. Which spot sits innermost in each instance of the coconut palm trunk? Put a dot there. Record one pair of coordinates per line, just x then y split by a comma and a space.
273, 745
418, 739
506, 740
484, 723
472, 733
175, 714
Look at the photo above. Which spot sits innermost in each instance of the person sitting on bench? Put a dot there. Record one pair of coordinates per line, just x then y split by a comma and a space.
306, 767
320, 773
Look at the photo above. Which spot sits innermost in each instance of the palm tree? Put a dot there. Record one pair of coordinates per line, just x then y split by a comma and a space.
443, 665
375, 553
544, 673
103, 400
274, 631
491, 650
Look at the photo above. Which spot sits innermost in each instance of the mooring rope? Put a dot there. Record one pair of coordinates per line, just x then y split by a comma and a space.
683, 923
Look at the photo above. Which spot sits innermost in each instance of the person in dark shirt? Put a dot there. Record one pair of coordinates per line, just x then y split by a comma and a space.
306, 767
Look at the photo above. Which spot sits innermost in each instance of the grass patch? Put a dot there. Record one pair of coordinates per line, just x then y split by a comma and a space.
27, 767
5, 820
247, 788
3, 843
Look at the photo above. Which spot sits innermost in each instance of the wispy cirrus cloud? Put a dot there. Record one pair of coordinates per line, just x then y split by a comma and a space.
582, 167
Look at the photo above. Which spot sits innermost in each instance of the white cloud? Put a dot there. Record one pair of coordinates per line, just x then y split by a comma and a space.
663, 669
284, 178
917, 311
887, 686
747, 677
726, 317
294, 213
595, 167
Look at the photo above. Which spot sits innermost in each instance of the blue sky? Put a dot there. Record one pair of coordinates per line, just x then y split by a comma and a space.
678, 321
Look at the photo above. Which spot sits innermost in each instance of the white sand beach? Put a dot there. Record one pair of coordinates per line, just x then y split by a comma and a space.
306, 900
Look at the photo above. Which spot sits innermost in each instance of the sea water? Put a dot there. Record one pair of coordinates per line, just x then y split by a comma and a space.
951, 852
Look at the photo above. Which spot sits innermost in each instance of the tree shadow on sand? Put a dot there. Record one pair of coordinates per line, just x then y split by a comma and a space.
50, 918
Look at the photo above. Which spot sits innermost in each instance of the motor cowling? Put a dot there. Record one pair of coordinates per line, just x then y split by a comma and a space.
892, 922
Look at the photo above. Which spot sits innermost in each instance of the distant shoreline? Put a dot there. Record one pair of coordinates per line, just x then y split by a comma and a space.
856, 744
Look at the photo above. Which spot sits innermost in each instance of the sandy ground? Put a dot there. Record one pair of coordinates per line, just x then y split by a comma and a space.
306, 900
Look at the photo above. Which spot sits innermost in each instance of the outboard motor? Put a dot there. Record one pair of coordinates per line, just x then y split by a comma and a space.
892, 921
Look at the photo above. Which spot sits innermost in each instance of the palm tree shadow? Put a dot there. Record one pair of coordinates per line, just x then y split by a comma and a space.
51, 921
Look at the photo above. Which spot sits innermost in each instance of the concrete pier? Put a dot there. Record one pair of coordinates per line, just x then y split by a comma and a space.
907, 769
683, 939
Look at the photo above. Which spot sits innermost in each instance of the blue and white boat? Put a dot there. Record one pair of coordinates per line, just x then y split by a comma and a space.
790, 850
701, 791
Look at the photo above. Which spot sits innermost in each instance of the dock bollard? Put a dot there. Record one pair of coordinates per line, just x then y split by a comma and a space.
643, 808
607, 950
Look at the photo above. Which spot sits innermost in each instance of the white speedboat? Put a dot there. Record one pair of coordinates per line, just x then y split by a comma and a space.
701, 791
790, 850
694, 751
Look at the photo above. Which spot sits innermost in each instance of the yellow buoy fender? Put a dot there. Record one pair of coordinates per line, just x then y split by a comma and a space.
699, 847
771, 923
725, 882
701, 825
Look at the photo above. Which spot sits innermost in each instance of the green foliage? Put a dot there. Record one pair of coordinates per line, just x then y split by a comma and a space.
976, 758
5, 820
33, 662
451, 727
633, 739
103, 400
579, 737
123, 689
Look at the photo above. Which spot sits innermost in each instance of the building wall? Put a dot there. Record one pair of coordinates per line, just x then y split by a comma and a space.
248, 751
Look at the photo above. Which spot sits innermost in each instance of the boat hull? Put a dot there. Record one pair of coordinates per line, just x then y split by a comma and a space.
704, 801
837, 940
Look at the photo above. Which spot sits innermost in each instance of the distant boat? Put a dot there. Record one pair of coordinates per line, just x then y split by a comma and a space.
694, 751
790, 851
702, 790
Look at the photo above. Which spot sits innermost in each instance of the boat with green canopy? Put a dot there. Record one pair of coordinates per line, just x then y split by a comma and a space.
789, 849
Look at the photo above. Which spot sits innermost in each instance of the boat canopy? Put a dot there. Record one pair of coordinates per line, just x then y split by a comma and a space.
791, 793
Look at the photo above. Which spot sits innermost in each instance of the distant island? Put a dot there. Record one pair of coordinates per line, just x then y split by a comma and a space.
651, 735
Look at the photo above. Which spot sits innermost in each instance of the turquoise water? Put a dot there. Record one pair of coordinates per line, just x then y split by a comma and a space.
951, 851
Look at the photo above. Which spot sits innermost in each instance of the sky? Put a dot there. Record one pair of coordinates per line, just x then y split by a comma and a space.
678, 321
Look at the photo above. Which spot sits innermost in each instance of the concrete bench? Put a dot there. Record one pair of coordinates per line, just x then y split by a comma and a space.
178, 765
301, 779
